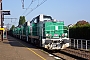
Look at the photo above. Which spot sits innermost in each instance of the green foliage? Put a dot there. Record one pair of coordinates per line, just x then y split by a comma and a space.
80, 31
82, 22
12, 27
22, 20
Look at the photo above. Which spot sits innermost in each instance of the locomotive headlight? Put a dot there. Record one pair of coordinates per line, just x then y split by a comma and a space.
47, 34
65, 34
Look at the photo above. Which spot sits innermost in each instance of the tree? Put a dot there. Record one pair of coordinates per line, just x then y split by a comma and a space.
12, 27
22, 20
81, 30
82, 22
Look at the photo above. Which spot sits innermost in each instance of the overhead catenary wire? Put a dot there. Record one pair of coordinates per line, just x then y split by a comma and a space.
36, 7
28, 7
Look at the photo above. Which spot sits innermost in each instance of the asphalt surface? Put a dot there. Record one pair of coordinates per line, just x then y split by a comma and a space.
14, 49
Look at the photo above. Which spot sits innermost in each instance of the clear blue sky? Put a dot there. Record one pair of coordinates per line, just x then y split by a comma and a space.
70, 11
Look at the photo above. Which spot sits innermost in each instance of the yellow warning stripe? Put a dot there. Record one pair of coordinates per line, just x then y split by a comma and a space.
33, 51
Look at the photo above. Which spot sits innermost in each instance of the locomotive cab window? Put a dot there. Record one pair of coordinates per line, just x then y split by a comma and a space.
47, 18
35, 21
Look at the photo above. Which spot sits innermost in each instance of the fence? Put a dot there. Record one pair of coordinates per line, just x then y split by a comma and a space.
80, 44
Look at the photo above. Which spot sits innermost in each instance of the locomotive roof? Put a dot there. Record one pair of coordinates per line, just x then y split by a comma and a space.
39, 16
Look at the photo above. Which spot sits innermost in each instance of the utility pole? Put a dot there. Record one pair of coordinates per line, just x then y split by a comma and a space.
1, 22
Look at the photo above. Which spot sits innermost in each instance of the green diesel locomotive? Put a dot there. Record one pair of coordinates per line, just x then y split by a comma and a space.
45, 32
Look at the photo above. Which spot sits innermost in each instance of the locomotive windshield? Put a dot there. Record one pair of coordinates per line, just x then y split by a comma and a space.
47, 18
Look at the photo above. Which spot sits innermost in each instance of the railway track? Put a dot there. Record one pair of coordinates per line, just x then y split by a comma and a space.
79, 53
71, 54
